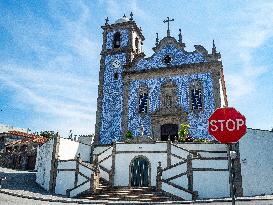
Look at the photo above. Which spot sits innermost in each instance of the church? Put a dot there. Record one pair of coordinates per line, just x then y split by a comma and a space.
158, 93
142, 101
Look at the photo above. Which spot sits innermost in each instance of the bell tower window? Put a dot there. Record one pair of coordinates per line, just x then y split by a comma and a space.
116, 41
136, 44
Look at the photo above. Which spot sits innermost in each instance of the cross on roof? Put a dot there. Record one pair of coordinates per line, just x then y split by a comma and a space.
168, 20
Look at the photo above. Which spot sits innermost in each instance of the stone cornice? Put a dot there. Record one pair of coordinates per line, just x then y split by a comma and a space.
128, 24
177, 70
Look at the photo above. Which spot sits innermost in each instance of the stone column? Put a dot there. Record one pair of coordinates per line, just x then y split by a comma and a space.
169, 157
159, 177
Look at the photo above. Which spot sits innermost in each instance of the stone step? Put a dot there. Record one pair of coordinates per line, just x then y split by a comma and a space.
139, 194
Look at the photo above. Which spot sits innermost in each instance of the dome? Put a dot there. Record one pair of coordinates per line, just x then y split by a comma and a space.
122, 20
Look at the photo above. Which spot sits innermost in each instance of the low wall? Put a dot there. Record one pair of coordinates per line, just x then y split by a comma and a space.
43, 164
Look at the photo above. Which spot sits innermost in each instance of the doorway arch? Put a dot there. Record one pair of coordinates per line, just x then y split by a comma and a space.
140, 171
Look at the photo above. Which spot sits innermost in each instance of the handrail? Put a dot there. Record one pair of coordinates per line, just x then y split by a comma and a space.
178, 187
176, 176
177, 156
86, 165
104, 150
180, 147
209, 151
69, 190
175, 165
211, 158
104, 169
105, 158
88, 178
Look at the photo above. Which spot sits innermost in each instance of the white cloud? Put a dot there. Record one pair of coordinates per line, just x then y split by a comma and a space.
57, 89
253, 29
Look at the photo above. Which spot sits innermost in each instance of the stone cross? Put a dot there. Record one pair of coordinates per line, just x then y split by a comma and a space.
168, 20
106, 21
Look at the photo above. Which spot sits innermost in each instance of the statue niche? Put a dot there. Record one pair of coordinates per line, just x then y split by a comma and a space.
166, 120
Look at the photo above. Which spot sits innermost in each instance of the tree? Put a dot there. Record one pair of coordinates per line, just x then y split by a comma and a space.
47, 134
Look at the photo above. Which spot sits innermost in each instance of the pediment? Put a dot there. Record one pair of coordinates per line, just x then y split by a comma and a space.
169, 46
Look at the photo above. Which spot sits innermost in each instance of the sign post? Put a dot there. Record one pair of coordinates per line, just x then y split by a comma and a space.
228, 126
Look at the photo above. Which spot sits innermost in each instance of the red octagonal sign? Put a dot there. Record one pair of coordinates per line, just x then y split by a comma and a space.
227, 125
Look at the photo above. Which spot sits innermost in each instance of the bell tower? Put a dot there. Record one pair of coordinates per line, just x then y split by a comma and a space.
122, 42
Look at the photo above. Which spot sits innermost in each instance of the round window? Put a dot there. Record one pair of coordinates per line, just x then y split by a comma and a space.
167, 59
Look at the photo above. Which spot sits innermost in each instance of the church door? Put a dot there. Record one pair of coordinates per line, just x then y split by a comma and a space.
169, 130
139, 172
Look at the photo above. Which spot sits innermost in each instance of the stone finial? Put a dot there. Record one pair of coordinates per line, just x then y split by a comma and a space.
213, 50
156, 40
106, 21
140, 28
180, 36
131, 16
124, 16
78, 156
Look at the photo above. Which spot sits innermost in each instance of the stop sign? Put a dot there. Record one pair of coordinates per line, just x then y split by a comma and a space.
227, 125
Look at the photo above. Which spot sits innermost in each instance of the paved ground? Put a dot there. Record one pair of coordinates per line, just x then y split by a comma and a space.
20, 188
12, 200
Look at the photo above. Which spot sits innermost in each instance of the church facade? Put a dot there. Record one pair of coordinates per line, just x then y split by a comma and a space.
152, 96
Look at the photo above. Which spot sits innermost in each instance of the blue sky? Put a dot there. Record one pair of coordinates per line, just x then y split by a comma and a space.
50, 53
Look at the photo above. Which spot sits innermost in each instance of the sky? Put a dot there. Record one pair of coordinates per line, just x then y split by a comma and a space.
50, 54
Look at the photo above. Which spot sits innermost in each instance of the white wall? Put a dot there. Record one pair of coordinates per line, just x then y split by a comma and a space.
69, 149
123, 160
43, 164
256, 152
211, 184
65, 180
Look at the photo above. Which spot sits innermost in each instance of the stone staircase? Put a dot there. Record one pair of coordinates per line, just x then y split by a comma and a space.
142, 194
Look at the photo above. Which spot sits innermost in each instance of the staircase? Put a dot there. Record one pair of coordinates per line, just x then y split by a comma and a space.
142, 194
176, 179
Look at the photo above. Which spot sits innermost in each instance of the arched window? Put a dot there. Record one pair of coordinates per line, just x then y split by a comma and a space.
116, 41
143, 100
136, 44
196, 96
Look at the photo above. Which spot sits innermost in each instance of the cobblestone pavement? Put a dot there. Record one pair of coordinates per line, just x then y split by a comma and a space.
20, 188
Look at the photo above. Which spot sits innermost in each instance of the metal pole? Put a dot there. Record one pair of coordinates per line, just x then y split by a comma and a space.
232, 182
232, 157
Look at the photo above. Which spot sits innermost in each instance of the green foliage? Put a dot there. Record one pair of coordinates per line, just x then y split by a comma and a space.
47, 134
183, 132
200, 140
128, 134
